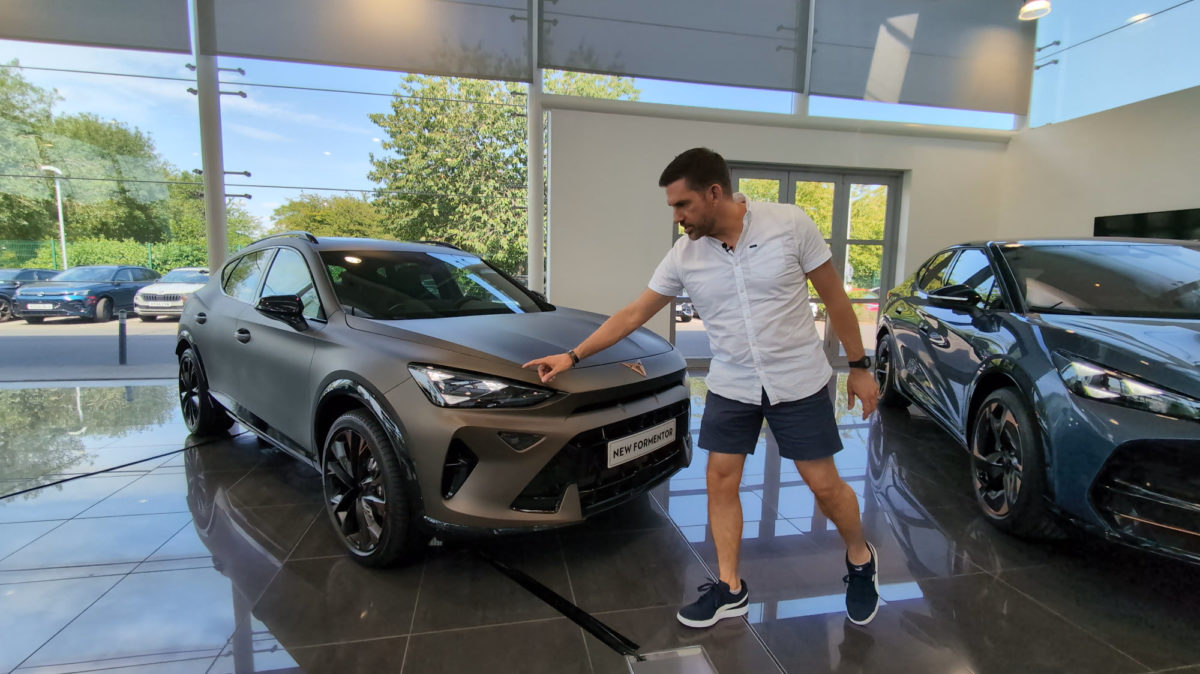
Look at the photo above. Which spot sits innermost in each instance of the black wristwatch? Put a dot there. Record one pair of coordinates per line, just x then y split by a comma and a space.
863, 363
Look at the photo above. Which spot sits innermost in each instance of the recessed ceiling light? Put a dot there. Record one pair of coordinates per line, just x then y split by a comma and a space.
1034, 9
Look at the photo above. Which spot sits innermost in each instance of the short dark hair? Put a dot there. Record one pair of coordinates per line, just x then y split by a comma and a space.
699, 167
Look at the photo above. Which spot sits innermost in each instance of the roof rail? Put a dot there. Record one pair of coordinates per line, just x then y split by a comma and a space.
440, 243
307, 235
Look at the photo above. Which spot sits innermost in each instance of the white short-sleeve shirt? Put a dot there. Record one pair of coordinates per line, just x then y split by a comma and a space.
754, 303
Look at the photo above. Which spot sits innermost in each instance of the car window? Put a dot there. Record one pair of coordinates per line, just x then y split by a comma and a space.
242, 281
973, 269
1109, 279
124, 275
933, 275
396, 285
25, 275
148, 274
289, 276
45, 275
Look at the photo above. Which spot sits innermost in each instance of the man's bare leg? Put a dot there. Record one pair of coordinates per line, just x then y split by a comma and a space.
838, 501
725, 513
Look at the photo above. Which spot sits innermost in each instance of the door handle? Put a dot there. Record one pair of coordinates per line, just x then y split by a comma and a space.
242, 335
201, 318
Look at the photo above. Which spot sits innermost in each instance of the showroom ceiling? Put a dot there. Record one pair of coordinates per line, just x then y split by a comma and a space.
969, 55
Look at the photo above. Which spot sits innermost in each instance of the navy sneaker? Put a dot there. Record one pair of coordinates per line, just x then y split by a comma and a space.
862, 589
715, 602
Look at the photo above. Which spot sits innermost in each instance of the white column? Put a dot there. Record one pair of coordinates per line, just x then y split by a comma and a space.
204, 48
535, 159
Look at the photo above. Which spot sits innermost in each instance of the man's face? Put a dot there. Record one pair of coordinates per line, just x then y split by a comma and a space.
695, 211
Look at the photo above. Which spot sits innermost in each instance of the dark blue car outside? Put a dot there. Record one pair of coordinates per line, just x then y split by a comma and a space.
94, 292
1070, 370
11, 279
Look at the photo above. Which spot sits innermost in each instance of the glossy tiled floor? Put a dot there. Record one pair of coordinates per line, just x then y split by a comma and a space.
220, 559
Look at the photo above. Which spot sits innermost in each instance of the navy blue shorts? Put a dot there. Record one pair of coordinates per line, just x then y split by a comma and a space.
805, 429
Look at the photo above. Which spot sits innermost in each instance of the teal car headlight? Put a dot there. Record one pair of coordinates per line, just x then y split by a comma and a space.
453, 388
1096, 382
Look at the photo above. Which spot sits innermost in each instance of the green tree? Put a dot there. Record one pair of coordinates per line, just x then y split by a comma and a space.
345, 215
454, 162
185, 213
25, 111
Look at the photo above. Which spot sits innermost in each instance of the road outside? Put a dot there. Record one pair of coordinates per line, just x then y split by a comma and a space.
72, 349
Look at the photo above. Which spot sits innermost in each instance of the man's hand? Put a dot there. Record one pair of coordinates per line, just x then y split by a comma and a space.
551, 366
861, 384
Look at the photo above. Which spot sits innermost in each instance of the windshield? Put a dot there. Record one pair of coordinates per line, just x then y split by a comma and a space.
8, 274
1117, 279
392, 285
87, 274
185, 276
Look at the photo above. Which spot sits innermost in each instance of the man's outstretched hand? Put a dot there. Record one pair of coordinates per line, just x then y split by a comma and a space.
551, 366
861, 384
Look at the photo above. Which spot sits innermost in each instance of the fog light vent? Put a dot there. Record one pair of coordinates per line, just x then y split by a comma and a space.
460, 461
519, 441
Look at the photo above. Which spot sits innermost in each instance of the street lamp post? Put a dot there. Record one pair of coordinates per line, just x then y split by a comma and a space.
62, 232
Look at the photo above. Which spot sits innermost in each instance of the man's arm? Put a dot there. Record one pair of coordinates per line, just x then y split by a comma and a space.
861, 383
616, 328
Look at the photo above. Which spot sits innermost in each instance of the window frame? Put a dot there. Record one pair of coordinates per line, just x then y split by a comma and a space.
321, 313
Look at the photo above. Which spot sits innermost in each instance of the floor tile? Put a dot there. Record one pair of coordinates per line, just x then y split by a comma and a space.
321, 601
32, 613
149, 614
14, 536
638, 569
291, 483
147, 495
541, 647
731, 644
1145, 606
375, 655
61, 501
460, 589
102, 540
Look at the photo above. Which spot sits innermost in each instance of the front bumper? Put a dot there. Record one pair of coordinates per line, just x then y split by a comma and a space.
1134, 475
59, 306
145, 309
472, 479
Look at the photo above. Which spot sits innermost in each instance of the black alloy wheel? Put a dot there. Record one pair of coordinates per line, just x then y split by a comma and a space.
201, 414
365, 493
1007, 468
885, 373
5, 309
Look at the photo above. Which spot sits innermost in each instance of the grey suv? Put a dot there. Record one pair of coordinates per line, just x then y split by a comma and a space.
395, 370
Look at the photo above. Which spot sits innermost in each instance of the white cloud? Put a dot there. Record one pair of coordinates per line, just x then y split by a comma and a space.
256, 133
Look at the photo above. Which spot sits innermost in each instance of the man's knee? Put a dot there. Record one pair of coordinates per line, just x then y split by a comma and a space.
724, 469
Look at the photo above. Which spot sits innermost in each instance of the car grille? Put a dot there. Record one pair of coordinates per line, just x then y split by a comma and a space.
583, 462
1150, 490
152, 297
623, 395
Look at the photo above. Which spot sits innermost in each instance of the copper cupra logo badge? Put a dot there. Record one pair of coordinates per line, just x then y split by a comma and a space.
636, 367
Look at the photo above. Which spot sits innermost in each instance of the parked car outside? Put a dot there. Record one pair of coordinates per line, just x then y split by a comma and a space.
684, 310
11, 279
94, 292
395, 370
167, 297
1070, 370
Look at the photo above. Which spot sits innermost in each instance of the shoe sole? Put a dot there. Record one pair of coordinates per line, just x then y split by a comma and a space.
727, 611
874, 556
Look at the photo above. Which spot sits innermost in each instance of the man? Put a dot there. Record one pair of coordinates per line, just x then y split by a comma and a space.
745, 265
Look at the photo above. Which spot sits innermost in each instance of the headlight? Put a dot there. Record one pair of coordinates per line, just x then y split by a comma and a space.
451, 388
1098, 383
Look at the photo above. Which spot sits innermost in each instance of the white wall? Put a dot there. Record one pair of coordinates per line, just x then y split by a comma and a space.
610, 225
1138, 158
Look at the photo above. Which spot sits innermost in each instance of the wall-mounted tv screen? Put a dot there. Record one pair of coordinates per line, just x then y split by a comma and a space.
1184, 224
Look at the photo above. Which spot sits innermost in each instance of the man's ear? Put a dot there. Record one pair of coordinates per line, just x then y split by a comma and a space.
715, 192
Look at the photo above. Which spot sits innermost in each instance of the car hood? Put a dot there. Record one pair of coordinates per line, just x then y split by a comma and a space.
1161, 351
61, 287
171, 288
518, 338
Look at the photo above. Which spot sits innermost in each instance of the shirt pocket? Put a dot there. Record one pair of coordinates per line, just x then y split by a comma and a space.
770, 262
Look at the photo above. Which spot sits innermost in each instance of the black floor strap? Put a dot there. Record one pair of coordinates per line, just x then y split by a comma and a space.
611, 638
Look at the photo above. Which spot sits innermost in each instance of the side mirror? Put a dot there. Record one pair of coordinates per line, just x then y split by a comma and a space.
955, 297
286, 308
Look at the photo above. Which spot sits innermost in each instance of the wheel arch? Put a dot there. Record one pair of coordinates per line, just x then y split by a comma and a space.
1003, 375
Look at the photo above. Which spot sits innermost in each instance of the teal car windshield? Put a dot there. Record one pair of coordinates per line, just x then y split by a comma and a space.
1117, 279
396, 285
90, 274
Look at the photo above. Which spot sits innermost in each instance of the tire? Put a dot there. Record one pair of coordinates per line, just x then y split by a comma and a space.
885, 373
148, 319
104, 311
201, 414
684, 318
5, 309
1008, 473
34, 320
376, 524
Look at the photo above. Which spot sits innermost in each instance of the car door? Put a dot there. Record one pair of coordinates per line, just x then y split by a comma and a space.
123, 289
957, 337
216, 324
274, 357
908, 318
